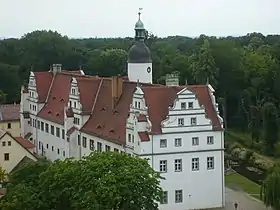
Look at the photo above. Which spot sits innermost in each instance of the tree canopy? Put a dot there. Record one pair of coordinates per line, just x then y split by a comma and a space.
105, 180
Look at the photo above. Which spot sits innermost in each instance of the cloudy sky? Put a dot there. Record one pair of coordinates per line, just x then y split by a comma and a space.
116, 18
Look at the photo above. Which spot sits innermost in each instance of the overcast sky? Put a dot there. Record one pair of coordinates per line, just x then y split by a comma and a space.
116, 18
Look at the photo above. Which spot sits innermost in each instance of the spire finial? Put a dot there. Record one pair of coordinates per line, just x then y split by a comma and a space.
139, 13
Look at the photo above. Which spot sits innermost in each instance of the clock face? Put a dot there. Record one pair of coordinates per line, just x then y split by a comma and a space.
149, 69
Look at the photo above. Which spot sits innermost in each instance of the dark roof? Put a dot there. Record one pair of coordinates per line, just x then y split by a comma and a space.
25, 160
139, 53
9, 112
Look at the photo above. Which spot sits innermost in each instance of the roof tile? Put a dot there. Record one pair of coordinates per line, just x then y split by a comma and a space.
9, 112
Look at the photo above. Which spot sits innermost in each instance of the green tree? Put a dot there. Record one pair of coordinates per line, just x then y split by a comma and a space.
270, 127
99, 181
3, 175
270, 193
203, 65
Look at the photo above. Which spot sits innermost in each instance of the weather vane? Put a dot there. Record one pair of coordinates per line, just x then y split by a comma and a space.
139, 13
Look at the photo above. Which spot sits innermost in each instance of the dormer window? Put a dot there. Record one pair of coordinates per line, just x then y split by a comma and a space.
73, 91
183, 105
190, 105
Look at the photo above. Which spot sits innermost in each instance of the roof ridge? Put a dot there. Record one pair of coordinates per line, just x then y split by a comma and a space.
49, 91
97, 94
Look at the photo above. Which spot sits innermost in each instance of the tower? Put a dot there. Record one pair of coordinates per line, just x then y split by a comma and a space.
139, 64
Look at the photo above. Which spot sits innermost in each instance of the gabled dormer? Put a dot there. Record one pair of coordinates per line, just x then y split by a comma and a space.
138, 104
32, 89
187, 112
74, 97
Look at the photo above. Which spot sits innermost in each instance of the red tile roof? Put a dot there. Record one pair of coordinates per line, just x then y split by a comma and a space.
9, 112
43, 82
25, 143
109, 122
142, 118
144, 136
71, 130
106, 121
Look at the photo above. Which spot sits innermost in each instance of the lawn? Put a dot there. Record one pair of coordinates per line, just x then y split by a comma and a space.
239, 182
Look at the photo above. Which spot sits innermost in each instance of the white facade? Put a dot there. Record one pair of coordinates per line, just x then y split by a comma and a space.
142, 72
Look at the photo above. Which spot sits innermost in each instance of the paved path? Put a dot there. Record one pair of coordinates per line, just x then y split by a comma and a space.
245, 202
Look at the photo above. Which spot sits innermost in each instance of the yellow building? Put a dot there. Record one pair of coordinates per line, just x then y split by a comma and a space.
10, 118
14, 150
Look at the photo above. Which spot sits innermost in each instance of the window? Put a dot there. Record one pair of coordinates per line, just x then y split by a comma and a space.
79, 140
38, 124
9, 126
133, 139
163, 143
178, 142
76, 121
6, 156
52, 129
107, 148
190, 105
63, 134
116, 150
163, 166
129, 137
3, 143
68, 139
195, 141
58, 132
210, 139
183, 105
193, 121
47, 146
57, 151
40, 145
47, 127
9, 143
210, 163
195, 164
139, 105
164, 199
181, 121
52, 148
135, 104
178, 196
178, 165
99, 147
42, 126
84, 142
75, 104
63, 153
91, 144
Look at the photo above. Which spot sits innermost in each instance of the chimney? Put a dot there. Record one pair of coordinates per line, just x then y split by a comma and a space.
117, 88
172, 80
56, 68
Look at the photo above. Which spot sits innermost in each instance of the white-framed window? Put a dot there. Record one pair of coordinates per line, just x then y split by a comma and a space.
210, 139
163, 166
181, 121
178, 196
195, 164
73, 91
178, 165
183, 105
190, 105
193, 120
195, 141
163, 143
164, 199
178, 142
129, 137
210, 163
91, 144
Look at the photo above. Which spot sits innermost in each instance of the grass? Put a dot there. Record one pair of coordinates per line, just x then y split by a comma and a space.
237, 181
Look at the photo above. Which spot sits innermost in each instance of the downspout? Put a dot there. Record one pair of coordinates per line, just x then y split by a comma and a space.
153, 152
